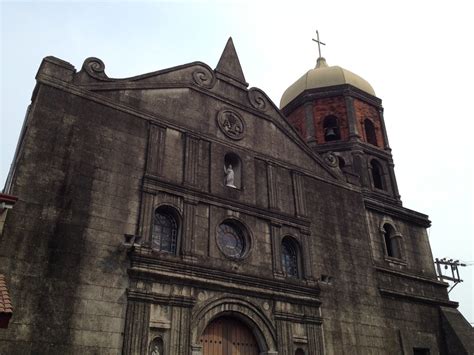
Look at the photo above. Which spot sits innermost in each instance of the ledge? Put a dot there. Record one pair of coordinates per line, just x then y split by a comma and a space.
153, 184
152, 297
428, 300
398, 212
411, 276
153, 269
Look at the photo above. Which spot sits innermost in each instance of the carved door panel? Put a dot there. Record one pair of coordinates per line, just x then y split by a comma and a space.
228, 336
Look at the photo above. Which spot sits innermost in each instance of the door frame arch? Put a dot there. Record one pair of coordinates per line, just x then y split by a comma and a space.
249, 314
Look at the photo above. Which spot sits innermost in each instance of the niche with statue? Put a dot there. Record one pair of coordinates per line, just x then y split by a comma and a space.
156, 346
232, 171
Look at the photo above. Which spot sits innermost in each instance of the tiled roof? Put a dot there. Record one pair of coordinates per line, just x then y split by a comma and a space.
5, 302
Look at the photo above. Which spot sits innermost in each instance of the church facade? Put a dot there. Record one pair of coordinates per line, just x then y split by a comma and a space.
181, 212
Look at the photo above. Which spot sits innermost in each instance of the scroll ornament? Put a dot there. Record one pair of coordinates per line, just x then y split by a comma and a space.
258, 99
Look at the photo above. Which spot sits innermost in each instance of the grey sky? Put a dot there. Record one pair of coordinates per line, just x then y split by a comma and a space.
416, 54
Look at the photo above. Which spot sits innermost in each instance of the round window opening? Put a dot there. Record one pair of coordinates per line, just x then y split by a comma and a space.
231, 240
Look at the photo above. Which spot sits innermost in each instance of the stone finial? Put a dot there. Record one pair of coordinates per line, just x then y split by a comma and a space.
229, 63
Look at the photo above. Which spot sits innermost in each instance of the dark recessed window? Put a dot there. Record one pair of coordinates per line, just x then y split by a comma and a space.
165, 231
421, 351
392, 242
331, 129
289, 258
377, 178
232, 239
370, 134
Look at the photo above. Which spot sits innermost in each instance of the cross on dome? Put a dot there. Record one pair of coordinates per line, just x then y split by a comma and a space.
319, 43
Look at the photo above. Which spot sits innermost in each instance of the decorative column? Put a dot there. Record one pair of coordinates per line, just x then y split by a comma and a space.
393, 180
298, 192
275, 237
384, 130
135, 339
360, 167
188, 228
307, 269
156, 148
272, 188
146, 217
309, 123
191, 159
354, 133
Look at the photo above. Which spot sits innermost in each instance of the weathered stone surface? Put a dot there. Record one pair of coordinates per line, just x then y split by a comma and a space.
101, 156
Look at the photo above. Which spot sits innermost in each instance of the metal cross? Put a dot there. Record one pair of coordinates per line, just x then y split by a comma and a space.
319, 43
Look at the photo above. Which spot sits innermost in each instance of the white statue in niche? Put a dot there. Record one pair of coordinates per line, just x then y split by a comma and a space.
155, 350
229, 176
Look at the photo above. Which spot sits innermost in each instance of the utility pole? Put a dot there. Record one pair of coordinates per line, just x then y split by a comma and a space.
449, 263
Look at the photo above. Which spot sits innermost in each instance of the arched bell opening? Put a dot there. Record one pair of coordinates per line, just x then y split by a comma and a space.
331, 129
392, 241
370, 134
377, 175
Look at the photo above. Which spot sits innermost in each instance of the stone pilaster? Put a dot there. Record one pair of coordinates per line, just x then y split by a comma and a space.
156, 147
191, 160
354, 133
298, 192
136, 328
272, 187
275, 237
189, 219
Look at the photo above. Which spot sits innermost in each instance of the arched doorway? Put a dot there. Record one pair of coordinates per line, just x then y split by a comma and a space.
228, 336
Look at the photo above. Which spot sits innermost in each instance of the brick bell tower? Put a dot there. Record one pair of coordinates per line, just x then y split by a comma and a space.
339, 116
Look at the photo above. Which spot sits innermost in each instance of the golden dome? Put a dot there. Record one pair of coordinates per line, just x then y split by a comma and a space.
324, 76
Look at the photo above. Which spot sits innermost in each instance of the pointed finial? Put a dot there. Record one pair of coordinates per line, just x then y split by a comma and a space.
319, 43
229, 63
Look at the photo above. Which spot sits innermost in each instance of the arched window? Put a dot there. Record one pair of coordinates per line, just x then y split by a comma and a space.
331, 129
377, 174
299, 352
392, 242
232, 171
370, 135
165, 230
289, 258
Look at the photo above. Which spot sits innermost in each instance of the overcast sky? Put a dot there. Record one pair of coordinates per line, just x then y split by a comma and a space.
417, 55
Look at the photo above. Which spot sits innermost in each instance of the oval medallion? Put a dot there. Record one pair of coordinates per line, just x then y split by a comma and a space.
231, 124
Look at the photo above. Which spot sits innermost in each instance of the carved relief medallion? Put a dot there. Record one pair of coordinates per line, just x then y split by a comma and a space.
231, 124
331, 159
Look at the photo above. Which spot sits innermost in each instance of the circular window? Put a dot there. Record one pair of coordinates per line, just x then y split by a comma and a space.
231, 240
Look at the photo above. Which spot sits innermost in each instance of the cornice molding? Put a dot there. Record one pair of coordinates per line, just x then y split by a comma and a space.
416, 298
412, 276
330, 91
397, 212
145, 266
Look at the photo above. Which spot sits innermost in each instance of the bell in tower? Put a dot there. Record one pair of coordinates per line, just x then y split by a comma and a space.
342, 116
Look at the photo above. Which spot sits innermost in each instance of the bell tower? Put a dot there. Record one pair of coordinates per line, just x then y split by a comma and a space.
339, 116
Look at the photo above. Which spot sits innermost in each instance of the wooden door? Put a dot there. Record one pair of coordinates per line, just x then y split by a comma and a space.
228, 336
